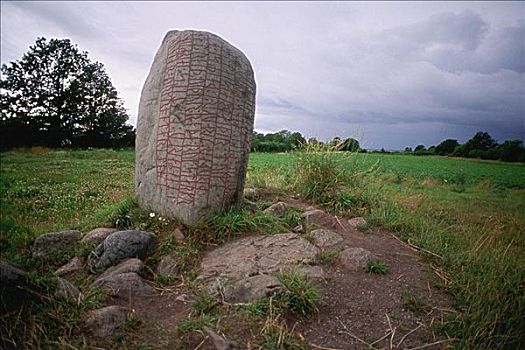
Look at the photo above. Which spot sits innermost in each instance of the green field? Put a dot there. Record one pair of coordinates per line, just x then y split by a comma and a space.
469, 214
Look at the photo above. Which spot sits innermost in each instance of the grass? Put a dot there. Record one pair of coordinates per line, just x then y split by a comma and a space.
470, 214
377, 267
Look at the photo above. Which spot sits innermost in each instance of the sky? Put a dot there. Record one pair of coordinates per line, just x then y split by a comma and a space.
391, 74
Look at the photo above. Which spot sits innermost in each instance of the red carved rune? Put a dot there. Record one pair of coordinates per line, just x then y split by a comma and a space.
205, 121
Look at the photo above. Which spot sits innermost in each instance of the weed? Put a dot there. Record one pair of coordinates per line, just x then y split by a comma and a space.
276, 336
301, 296
205, 304
326, 257
377, 267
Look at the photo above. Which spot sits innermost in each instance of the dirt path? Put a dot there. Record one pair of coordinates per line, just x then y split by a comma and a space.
398, 310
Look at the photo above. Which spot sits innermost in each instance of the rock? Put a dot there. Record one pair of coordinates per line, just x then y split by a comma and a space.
97, 235
311, 272
128, 265
251, 194
105, 321
277, 209
178, 236
298, 229
194, 126
234, 263
67, 290
55, 244
325, 238
167, 267
219, 342
124, 284
356, 222
74, 265
319, 218
249, 289
12, 287
119, 246
355, 259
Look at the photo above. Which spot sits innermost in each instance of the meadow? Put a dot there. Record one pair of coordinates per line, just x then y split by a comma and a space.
465, 216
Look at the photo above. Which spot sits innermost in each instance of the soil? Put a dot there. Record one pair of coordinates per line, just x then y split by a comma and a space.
401, 309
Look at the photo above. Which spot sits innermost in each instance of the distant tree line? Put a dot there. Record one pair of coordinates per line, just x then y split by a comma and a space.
284, 141
481, 145
54, 96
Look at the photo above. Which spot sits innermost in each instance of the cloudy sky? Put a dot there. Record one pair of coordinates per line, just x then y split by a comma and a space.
390, 74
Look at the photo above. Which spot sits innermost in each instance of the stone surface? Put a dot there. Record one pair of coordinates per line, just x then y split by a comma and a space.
355, 259
317, 217
128, 265
251, 194
277, 209
105, 321
167, 267
124, 284
233, 265
248, 289
119, 246
98, 235
356, 222
67, 290
12, 283
325, 238
178, 236
194, 125
55, 243
74, 265
220, 342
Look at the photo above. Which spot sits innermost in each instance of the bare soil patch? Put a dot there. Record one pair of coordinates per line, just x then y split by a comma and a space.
401, 309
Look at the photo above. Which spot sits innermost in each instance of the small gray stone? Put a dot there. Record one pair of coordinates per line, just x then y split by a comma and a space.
249, 289
105, 321
127, 283
128, 265
277, 209
67, 290
220, 342
251, 194
325, 238
319, 218
356, 222
55, 243
74, 265
355, 259
312, 272
167, 267
119, 246
178, 236
98, 235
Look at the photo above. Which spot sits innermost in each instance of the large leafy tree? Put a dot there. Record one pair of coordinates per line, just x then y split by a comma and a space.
55, 96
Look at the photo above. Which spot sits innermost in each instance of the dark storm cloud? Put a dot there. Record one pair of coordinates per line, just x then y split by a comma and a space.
391, 74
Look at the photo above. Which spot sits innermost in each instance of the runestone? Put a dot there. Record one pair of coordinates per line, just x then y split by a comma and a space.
195, 120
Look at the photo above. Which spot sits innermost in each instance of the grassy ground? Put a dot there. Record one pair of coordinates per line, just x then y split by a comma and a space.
469, 214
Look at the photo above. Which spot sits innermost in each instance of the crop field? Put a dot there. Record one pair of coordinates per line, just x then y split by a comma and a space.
469, 215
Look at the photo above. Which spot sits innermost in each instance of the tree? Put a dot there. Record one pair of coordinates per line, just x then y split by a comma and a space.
419, 149
350, 145
55, 96
512, 151
408, 150
481, 141
447, 147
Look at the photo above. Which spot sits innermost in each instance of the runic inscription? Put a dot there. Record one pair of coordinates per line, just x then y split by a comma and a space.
206, 105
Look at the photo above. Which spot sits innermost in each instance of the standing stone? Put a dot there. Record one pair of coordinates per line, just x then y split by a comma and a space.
194, 125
